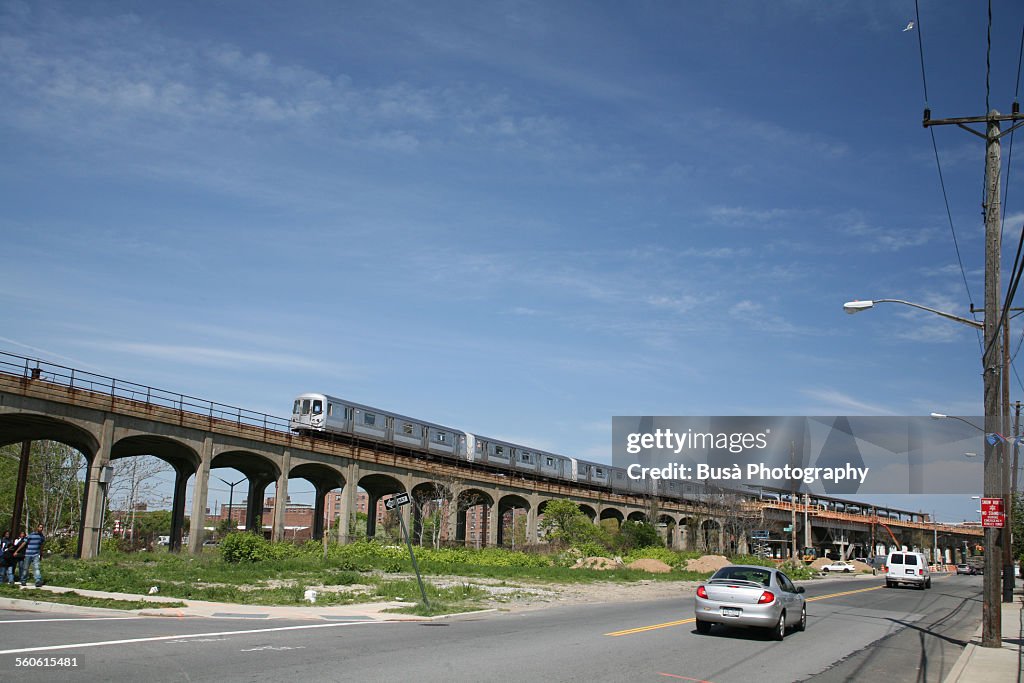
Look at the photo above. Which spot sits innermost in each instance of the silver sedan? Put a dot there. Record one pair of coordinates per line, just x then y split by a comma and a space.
747, 595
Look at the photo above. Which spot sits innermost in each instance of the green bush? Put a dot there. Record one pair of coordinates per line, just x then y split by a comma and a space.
249, 547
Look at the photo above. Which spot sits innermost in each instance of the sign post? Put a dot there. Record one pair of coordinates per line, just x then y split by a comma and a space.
393, 503
992, 514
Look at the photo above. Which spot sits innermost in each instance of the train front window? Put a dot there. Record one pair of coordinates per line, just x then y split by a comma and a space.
305, 406
318, 407
297, 407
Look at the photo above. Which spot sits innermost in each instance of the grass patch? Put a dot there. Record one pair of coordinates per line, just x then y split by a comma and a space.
354, 573
73, 598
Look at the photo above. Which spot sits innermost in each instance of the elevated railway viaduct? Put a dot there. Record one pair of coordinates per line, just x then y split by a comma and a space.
107, 420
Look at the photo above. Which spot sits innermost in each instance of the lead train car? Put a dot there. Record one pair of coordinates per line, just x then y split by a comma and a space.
314, 413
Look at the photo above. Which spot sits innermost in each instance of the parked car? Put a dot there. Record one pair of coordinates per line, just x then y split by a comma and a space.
838, 566
907, 567
750, 596
966, 569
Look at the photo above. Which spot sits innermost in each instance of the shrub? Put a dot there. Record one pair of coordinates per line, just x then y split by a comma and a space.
249, 547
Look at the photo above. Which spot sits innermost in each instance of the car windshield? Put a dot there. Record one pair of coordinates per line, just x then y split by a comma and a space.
759, 576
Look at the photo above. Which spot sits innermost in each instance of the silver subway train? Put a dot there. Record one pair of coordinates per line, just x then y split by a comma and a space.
319, 413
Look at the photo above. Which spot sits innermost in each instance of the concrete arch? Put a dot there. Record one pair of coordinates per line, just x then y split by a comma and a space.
17, 427
260, 472
473, 516
589, 511
637, 516
508, 505
430, 498
710, 538
669, 530
377, 486
324, 479
182, 457
613, 513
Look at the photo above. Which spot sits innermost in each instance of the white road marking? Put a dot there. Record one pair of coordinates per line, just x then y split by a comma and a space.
41, 621
71, 646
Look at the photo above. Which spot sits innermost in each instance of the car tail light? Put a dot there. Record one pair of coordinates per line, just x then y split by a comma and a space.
920, 572
766, 598
701, 593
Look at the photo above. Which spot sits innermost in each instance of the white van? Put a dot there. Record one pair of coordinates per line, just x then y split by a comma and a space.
905, 566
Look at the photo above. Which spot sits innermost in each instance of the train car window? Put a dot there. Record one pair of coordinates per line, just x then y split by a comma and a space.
348, 413
441, 437
318, 407
524, 457
550, 462
599, 472
479, 447
297, 407
305, 406
369, 419
407, 428
330, 409
499, 450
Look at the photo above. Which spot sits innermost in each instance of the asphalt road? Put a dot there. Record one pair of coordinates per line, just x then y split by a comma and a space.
857, 630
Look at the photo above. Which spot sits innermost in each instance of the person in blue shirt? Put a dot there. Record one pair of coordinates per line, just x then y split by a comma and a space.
32, 554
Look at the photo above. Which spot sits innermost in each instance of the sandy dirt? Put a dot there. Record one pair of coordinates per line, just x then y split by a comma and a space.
520, 595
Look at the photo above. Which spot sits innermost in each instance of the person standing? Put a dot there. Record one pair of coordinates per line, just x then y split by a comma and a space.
6, 561
32, 555
18, 547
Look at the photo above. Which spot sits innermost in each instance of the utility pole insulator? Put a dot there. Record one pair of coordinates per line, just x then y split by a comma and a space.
927, 116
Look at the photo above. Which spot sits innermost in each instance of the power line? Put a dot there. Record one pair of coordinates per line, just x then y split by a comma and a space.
938, 165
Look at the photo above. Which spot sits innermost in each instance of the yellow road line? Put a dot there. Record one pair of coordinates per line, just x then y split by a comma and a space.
653, 627
836, 595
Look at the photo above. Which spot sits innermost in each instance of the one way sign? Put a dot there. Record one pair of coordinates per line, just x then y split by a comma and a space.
396, 501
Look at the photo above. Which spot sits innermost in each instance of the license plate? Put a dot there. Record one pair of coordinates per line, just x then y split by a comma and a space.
909, 571
730, 612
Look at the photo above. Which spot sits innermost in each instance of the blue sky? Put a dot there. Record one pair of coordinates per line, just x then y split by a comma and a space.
516, 218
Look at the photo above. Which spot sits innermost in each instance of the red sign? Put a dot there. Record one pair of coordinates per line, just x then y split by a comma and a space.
992, 514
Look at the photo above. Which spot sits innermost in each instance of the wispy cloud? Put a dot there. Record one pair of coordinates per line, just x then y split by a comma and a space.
834, 402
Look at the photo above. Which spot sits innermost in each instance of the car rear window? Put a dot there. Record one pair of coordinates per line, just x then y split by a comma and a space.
896, 559
761, 576
910, 559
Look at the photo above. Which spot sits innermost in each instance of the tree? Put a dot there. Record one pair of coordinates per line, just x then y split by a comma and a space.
637, 535
53, 489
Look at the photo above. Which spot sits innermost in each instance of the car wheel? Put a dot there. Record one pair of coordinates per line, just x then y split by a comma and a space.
928, 583
802, 624
888, 584
824, 570
779, 632
703, 627
846, 571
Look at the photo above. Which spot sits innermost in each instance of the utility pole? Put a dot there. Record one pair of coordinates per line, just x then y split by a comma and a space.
991, 618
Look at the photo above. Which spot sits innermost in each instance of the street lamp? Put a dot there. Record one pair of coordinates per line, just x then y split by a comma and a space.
852, 307
231, 501
996, 540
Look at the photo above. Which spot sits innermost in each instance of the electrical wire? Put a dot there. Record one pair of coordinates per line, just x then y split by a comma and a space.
938, 166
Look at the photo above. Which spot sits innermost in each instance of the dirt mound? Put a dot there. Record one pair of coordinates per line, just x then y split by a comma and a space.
650, 565
708, 563
596, 563
820, 562
860, 566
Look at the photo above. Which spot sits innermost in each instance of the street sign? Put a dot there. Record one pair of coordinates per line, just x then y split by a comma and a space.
992, 514
761, 535
396, 501
787, 528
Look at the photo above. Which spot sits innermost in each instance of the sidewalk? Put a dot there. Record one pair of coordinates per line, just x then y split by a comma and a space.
373, 611
991, 664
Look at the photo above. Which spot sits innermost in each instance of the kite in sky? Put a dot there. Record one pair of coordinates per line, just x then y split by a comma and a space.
910, 27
